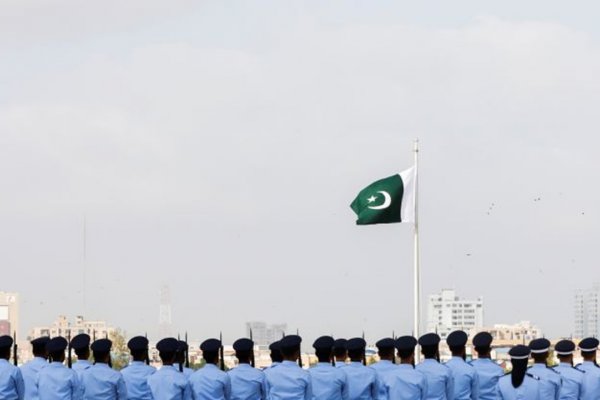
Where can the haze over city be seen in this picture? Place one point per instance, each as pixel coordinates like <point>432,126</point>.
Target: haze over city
<point>216,148</point>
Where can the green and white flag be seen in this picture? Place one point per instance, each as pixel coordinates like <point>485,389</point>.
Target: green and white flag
<point>388,200</point>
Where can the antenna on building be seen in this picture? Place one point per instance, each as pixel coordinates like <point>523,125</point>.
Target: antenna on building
<point>164,317</point>
<point>83,269</point>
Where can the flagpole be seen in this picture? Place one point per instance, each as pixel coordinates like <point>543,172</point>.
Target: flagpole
<point>417,270</point>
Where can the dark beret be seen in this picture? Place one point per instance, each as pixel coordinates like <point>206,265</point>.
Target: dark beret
<point>243,344</point>
<point>429,339</point>
<point>101,345</point>
<point>385,343</point>
<point>324,343</point>
<point>210,345</point>
<point>457,339</point>
<point>6,342</point>
<point>80,341</point>
<point>57,344</point>
<point>564,347</point>
<point>406,343</point>
<point>138,343</point>
<point>290,341</point>
<point>588,344</point>
<point>167,345</point>
<point>482,339</point>
<point>519,352</point>
<point>355,344</point>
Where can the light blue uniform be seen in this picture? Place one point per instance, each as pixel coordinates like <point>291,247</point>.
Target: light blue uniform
<point>466,381</point>
<point>328,382</point>
<point>440,383</point>
<point>30,373</point>
<point>101,382</point>
<point>572,381</point>
<point>362,382</point>
<point>488,373</point>
<point>136,376</point>
<point>339,364</point>
<point>81,366</point>
<point>57,382</point>
<point>169,384</point>
<point>529,389</point>
<point>210,383</point>
<point>591,381</point>
<point>408,384</point>
<point>187,372</point>
<point>550,381</point>
<point>386,371</point>
<point>11,382</point>
<point>288,381</point>
<point>247,383</point>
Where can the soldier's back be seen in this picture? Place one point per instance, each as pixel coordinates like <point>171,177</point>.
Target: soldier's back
<point>408,384</point>
<point>247,383</point>
<point>57,382</point>
<point>11,382</point>
<point>169,384</point>
<point>100,382</point>
<point>136,376</point>
<point>488,373</point>
<point>362,381</point>
<point>328,382</point>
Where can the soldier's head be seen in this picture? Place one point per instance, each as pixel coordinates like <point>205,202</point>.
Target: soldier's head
<point>483,344</point>
<point>457,341</point>
<point>386,349</point>
<point>290,347</point>
<point>275,352</point>
<point>56,348</point>
<point>167,348</point>
<point>430,345</point>
<point>81,346</point>
<point>540,348</point>
<point>339,350</point>
<point>138,347</point>
<point>101,351</point>
<point>588,348</point>
<point>356,349</point>
<point>564,350</point>
<point>406,349</point>
<point>243,350</point>
<point>6,343</point>
<point>324,348</point>
<point>38,346</point>
<point>210,350</point>
<point>519,357</point>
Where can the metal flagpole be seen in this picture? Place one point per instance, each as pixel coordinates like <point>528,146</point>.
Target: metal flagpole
<point>417,270</point>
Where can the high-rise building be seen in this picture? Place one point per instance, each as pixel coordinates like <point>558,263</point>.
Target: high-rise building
<point>264,334</point>
<point>9,313</point>
<point>447,312</point>
<point>587,309</point>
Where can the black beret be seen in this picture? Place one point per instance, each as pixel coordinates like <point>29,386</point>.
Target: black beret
<point>385,343</point>
<point>101,345</point>
<point>519,352</point>
<point>340,344</point>
<point>167,345</point>
<point>356,344</point>
<point>324,343</point>
<point>210,345</point>
<point>275,346</point>
<point>40,342</point>
<point>539,345</point>
<point>564,347</point>
<point>57,344</point>
<point>182,346</point>
<point>588,344</point>
<point>457,339</point>
<point>429,339</point>
<point>482,339</point>
<point>80,341</point>
<point>406,343</point>
<point>243,344</point>
<point>138,343</point>
<point>290,341</point>
<point>5,342</point>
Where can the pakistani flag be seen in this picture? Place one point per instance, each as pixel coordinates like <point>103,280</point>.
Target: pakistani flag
<point>387,201</point>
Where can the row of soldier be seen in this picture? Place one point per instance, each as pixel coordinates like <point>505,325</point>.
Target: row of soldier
<point>339,374</point>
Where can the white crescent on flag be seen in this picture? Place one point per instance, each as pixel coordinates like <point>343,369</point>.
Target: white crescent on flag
<point>386,203</point>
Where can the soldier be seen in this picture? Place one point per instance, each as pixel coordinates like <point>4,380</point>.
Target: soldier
<point>247,382</point>
<point>31,369</point>
<point>276,358</point>
<point>328,382</point>
<point>100,381</point>
<point>466,381</point>
<point>488,372</point>
<point>550,380</point>
<point>210,383</point>
<point>572,378</point>
<point>136,374</point>
<point>362,381</point>
<point>386,369</point>
<point>440,384</point>
<point>408,383</point>
<point>340,352</point>
<point>519,384</point>
<point>12,386</point>
<point>81,346</point>
<point>56,381</point>
<point>181,357</point>
<point>591,382</point>
<point>167,382</point>
<point>288,381</point>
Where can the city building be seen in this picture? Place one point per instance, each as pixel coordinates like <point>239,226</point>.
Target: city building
<point>586,312</point>
<point>510,335</point>
<point>447,312</point>
<point>9,313</point>
<point>62,327</point>
<point>264,334</point>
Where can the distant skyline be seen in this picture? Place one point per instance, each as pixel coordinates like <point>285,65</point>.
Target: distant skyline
<point>216,147</point>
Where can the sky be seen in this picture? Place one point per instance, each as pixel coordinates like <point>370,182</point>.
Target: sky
<point>215,147</point>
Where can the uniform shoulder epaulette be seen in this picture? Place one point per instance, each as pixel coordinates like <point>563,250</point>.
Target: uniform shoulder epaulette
<point>507,373</point>
<point>577,369</point>
<point>553,370</point>
<point>577,366</point>
<point>537,378</point>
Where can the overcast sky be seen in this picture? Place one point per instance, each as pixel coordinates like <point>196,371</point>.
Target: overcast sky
<point>216,146</point>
